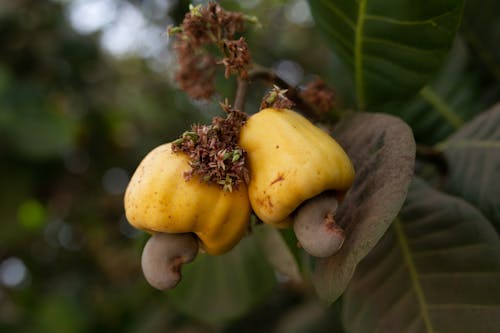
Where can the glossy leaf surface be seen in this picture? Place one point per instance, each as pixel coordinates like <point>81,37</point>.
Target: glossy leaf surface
<point>436,270</point>
<point>473,156</point>
<point>392,47</point>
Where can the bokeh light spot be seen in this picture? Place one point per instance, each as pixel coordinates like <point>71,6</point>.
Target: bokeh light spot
<point>299,13</point>
<point>290,71</point>
<point>13,272</point>
<point>88,16</point>
<point>31,214</point>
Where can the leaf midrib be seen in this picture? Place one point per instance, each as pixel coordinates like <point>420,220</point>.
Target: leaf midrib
<point>412,270</point>
<point>358,54</point>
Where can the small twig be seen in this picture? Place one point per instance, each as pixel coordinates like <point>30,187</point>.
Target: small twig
<point>241,92</point>
<point>266,74</point>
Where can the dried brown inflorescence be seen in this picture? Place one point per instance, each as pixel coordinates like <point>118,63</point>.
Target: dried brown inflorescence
<point>238,58</point>
<point>213,151</point>
<point>196,72</point>
<point>276,98</point>
<point>203,26</point>
<point>319,95</point>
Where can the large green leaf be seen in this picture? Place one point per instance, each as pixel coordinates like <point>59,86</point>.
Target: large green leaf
<point>215,289</point>
<point>310,316</point>
<point>473,156</point>
<point>393,47</point>
<point>455,94</point>
<point>481,24</point>
<point>382,150</point>
<point>277,252</point>
<point>435,270</point>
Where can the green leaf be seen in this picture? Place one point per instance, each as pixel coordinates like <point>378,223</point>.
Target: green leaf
<point>34,124</point>
<point>457,93</point>
<point>435,270</point>
<point>392,47</point>
<point>382,150</point>
<point>215,289</point>
<point>277,252</point>
<point>310,316</point>
<point>473,156</point>
<point>481,24</point>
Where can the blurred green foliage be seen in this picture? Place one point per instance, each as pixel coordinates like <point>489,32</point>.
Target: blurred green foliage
<point>75,120</point>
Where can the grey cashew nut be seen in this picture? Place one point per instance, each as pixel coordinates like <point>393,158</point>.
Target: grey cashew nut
<point>315,226</point>
<point>163,256</point>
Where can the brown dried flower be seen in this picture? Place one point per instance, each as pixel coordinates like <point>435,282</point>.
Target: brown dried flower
<point>211,23</point>
<point>214,155</point>
<point>202,26</point>
<point>238,58</point>
<point>319,95</point>
<point>196,72</point>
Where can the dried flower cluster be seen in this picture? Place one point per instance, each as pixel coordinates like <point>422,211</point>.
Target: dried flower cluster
<point>319,95</point>
<point>238,58</point>
<point>214,155</point>
<point>276,98</point>
<point>203,26</point>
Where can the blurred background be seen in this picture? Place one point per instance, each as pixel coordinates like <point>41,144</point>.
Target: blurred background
<point>86,91</point>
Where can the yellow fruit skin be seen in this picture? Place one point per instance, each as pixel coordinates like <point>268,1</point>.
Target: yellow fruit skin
<point>159,199</point>
<point>290,160</point>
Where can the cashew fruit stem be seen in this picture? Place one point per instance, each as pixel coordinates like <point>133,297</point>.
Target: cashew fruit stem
<point>315,226</point>
<point>163,257</point>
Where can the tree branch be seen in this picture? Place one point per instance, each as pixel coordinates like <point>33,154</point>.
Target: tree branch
<point>241,92</point>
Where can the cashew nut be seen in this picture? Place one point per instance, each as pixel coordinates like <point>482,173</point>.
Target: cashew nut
<point>315,227</point>
<point>163,257</point>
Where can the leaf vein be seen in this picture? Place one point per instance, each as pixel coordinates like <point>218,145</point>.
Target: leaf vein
<point>448,249</point>
<point>443,108</point>
<point>430,20</point>
<point>463,305</point>
<point>456,274</point>
<point>461,144</point>
<point>387,282</point>
<point>405,248</point>
<point>415,73</point>
<point>402,46</point>
<point>336,11</point>
<point>391,307</point>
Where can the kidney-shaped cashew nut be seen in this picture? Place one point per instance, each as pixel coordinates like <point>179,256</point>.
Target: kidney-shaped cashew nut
<point>315,227</point>
<point>163,256</point>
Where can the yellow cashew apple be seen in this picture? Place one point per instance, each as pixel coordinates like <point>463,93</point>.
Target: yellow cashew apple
<point>290,160</point>
<point>159,199</point>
